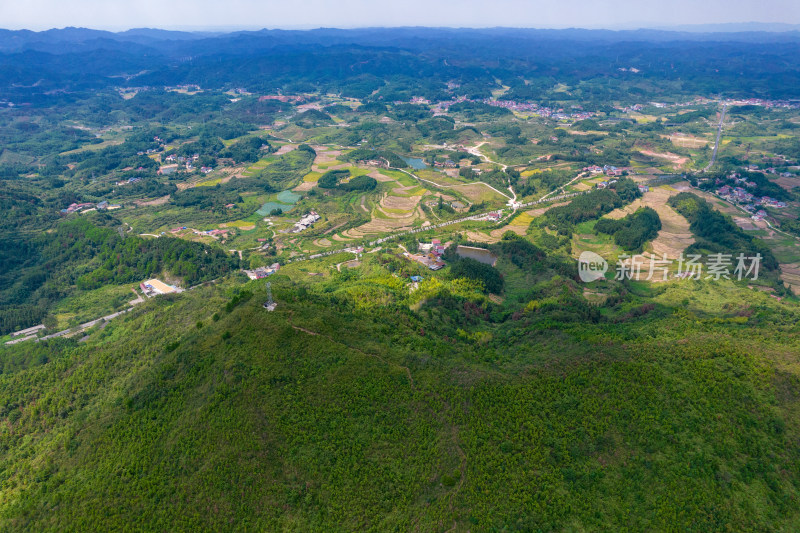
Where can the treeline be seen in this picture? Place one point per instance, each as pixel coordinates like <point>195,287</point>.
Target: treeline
<point>248,150</point>
<point>210,147</point>
<point>465,267</point>
<point>33,138</point>
<point>288,168</point>
<point>12,171</point>
<point>148,187</point>
<point>717,233</point>
<point>331,180</point>
<point>632,231</point>
<point>312,118</point>
<point>85,253</point>
<point>520,252</point>
<point>792,226</point>
<point>120,156</point>
<point>133,259</point>
<point>206,197</point>
<point>691,116</point>
<point>592,205</point>
<point>368,154</point>
<point>609,156</point>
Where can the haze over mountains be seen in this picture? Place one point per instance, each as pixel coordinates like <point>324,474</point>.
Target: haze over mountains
<point>35,64</point>
<point>19,40</point>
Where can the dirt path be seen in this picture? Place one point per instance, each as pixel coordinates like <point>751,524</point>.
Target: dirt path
<point>335,228</point>
<point>476,152</point>
<point>439,185</point>
<point>405,369</point>
<point>304,330</point>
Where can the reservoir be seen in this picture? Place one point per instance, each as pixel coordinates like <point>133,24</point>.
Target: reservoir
<point>415,162</point>
<point>481,255</point>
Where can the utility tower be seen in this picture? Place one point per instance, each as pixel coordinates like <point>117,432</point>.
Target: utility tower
<point>270,304</point>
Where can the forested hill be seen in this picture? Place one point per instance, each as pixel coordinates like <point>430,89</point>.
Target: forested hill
<point>739,64</point>
<point>89,253</point>
<point>203,411</point>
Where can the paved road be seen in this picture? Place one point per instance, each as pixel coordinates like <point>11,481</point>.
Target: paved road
<point>441,186</point>
<point>719,136</point>
<point>84,326</point>
<point>474,217</point>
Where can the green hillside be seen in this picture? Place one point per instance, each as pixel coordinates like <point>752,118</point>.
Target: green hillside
<point>526,280</point>
<point>319,416</point>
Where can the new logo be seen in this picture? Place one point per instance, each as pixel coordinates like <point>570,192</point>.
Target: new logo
<point>591,267</point>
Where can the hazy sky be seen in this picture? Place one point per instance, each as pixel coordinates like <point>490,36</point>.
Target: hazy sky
<point>199,14</point>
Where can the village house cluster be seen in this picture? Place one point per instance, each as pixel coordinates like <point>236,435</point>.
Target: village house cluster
<point>176,160</point>
<point>557,114</point>
<point>380,162</point>
<point>608,170</point>
<point>529,107</point>
<point>86,207</point>
<point>262,272</point>
<point>304,223</point>
<point>781,104</point>
<point>430,254</point>
<point>129,181</point>
<point>493,216</point>
<point>738,194</point>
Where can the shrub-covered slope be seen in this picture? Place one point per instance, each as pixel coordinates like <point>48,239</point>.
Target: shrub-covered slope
<point>321,417</point>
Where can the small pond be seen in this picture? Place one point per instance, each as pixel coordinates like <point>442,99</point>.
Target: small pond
<point>286,201</point>
<point>478,254</point>
<point>415,162</point>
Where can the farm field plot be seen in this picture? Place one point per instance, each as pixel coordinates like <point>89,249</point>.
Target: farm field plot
<point>676,160</point>
<point>409,191</point>
<point>785,247</point>
<point>688,141</point>
<point>675,235</point>
<point>519,225</point>
<point>259,165</point>
<point>539,211</point>
<point>285,149</point>
<point>378,226</point>
<point>720,205</point>
<point>790,274</point>
<point>398,209</point>
<point>478,236</point>
<point>305,186</point>
<point>586,239</point>
<point>788,183</point>
<point>479,192</point>
<point>787,251</point>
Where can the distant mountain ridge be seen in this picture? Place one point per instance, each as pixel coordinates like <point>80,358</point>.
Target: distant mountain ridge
<point>19,40</point>
<point>35,65</point>
<point>733,27</point>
